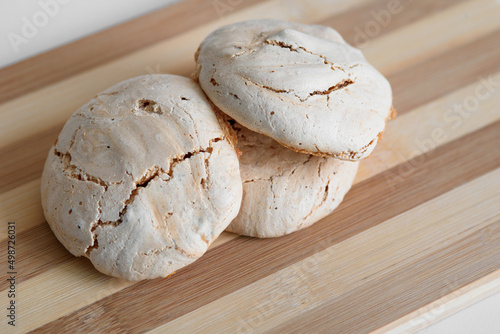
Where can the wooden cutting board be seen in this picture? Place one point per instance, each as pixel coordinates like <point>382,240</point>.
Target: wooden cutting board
<point>417,237</point>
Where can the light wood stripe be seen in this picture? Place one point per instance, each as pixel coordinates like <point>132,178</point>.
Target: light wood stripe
<point>243,261</point>
<point>22,205</point>
<point>63,62</point>
<point>355,22</point>
<point>329,274</point>
<point>456,68</point>
<point>462,262</point>
<point>434,35</point>
<point>445,306</point>
<point>73,285</point>
<point>404,140</point>
<point>38,252</point>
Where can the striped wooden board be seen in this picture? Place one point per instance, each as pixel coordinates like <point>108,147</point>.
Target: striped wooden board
<point>418,236</point>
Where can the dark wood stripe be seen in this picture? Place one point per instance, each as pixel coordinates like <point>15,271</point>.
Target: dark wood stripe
<point>23,161</point>
<point>243,261</point>
<point>38,250</point>
<point>445,73</point>
<point>439,274</point>
<point>369,21</point>
<point>73,58</point>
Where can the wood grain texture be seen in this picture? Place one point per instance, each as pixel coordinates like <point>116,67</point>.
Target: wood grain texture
<point>248,262</point>
<point>457,68</point>
<point>419,229</point>
<point>356,25</point>
<point>433,35</point>
<point>472,255</point>
<point>347,265</point>
<point>408,84</point>
<point>34,152</point>
<point>76,57</point>
<point>447,305</point>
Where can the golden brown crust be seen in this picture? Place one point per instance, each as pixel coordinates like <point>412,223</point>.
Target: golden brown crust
<point>197,53</point>
<point>393,113</point>
<point>228,130</point>
<point>196,74</point>
<point>344,155</point>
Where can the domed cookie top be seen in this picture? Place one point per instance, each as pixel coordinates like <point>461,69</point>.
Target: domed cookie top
<point>285,191</point>
<point>142,178</point>
<point>299,84</point>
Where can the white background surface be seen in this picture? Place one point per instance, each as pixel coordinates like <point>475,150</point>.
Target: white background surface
<point>77,18</point>
<point>70,20</point>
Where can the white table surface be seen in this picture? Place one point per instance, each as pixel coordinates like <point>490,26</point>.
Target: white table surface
<point>75,19</point>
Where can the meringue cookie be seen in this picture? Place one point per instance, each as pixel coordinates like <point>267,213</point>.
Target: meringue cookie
<point>302,85</point>
<point>285,191</point>
<point>142,179</point>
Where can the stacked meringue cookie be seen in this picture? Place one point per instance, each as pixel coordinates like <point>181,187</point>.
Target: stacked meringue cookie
<point>144,177</point>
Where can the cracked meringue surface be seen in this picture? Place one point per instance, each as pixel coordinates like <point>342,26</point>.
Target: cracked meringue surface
<point>285,191</point>
<point>302,85</point>
<point>142,179</point>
